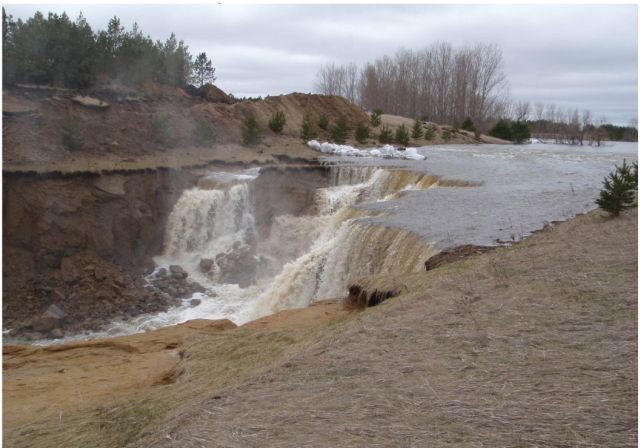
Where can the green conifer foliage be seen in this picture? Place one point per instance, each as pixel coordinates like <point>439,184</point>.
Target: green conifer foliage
<point>416,132</point>
<point>620,189</point>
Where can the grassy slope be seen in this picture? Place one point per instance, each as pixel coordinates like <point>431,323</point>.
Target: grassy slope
<point>531,345</point>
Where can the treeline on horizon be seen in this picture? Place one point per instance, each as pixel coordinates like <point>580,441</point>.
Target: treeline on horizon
<point>59,51</point>
<point>571,126</point>
<point>446,85</point>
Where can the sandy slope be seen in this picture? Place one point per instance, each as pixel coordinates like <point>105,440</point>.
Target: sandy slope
<point>533,345</point>
<point>49,382</point>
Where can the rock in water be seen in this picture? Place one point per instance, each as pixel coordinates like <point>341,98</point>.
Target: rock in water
<point>177,271</point>
<point>56,333</point>
<point>56,312</point>
<point>52,318</point>
<point>91,102</point>
<point>206,264</point>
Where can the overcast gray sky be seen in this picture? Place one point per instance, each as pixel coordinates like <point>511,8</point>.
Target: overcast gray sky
<point>583,56</point>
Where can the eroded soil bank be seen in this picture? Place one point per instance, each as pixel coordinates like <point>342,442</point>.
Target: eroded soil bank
<point>83,243</point>
<point>535,344</point>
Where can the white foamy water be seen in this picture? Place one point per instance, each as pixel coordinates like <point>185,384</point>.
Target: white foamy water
<point>304,258</point>
<point>206,223</point>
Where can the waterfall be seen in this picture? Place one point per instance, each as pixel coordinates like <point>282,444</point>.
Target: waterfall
<point>349,249</point>
<point>216,225</point>
<point>350,174</point>
<point>209,221</point>
<point>303,258</point>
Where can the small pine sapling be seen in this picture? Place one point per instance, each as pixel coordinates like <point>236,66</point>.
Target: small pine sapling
<point>362,133</point>
<point>416,131</point>
<point>402,135</point>
<point>307,132</point>
<point>276,124</point>
<point>620,189</point>
<point>251,131</point>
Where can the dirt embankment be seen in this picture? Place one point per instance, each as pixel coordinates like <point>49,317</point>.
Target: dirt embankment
<point>151,127</point>
<point>113,128</point>
<point>534,344</point>
<point>83,242</point>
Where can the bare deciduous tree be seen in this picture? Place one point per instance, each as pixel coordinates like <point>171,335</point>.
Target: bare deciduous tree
<point>521,111</point>
<point>438,83</point>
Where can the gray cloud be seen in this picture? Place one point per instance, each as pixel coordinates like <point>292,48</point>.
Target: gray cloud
<point>581,56</point>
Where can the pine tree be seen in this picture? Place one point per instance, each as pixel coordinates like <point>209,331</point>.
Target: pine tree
<point>620,189</point>
<point>502,130</point>
<point>376,118</point>
<point>71,135</point>
<point>203,71</point>
<point>520,132</point>
<point>362,133</point>
<point>416,132</point>
<point>323,122</point>
<point>430,132</point>
<point>402,135</point>
<point>276,124</point>
<point>386,136</point>
<point>340,130</point>
<point>468,125</point>
<point>203,133</point>
<point>251,131</point>
<point>307,132</point>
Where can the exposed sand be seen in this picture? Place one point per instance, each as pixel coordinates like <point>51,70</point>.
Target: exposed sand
<point>50,381</point>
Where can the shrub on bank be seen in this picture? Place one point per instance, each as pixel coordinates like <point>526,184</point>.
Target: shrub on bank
<point>402,135</point>
<point>161,131</point>
<point>203,133</point>
<point>517,132</point>
<point>468,125</point>
<point>376,118</point>
<point>306,131</point>
<point>276,124</point>
<point>430,132</point>
<point>71,136</point>
<point>323,122</point>
<point>416,131</point>
<point>520,132</point>
<point>340,130</point>
<point>362,133</point>
<point>386,136</point>
<point>502,129</point>
<point>620,189</point>
<point>251,131</point>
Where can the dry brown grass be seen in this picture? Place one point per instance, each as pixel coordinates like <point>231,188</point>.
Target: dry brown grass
<point>534,345</point>
<point>106,393</point>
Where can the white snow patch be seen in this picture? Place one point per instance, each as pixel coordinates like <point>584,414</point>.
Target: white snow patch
<point>386,151</point>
